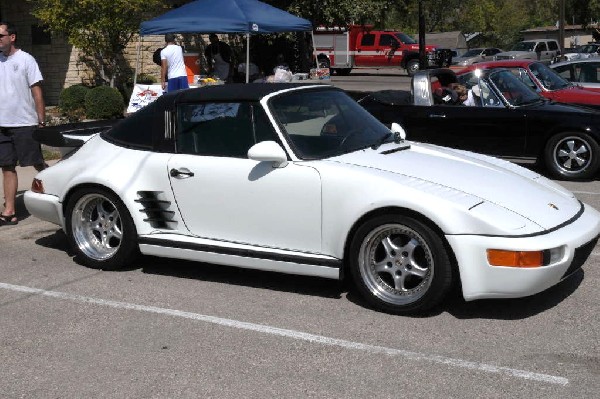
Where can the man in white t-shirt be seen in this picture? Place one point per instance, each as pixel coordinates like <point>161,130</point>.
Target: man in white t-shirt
<point>172,66</point>
<point>22,110</point>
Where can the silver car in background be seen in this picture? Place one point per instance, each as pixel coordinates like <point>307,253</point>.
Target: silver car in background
<point>476,55</point>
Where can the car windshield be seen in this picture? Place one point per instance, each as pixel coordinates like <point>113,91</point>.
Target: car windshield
<point>472,53</point>
<point>325,123</point>
<point>524,46</point>
<point>548,77</point>
<point>404,38</point>
<point>589,49</point>
<point>513,90</point>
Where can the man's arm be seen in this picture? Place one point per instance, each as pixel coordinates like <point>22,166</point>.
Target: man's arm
<point>163,73</point>
<point>40,106</point>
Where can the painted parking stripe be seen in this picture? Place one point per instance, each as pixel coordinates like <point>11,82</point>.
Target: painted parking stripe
<point>298,335</point>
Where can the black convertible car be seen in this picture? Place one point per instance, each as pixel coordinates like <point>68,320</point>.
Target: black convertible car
<point>507,120</point>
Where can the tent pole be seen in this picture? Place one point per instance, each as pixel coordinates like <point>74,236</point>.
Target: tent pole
<point>312,37</point>
<point>247,57</point>
<point>137,60</point>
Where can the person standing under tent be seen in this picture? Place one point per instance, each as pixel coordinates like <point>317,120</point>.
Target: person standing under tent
<point>172,66</point>
<point>218,55</point>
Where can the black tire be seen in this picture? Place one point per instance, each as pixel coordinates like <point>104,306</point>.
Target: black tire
<point>572,156</point>
<point>412,67</point>
<point>100,229</point>
<point>344,71</point>
<point>399,264</point>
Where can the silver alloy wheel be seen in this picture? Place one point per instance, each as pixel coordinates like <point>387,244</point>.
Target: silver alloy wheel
<point>572,154</point>
<point>396,264</point>
<point>96,226</point>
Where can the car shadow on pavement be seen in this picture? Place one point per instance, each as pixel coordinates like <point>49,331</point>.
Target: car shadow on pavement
<point>518,308</point>
<point>303,285</point>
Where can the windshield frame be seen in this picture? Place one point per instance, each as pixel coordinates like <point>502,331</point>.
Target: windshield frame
<point>325,123</point>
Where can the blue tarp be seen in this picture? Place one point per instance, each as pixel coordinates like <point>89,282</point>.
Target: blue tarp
<point>225,16</point>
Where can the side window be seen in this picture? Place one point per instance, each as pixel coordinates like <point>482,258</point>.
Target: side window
<point>541,46</point>
<point>387,40</point>
<point>368,40</point>
<point>215,129</point>
<point>589,73</point>
<point>263,129</point>
<point>566,72</point>
<point>489,98</point>
<point>553,46</point>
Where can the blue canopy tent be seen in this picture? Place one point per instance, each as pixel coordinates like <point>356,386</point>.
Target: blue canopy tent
<point>225,16</point>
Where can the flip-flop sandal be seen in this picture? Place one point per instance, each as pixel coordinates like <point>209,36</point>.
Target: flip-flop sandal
<point>8,220</point>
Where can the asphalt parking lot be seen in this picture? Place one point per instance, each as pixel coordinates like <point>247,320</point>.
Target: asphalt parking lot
<point>166,328</point>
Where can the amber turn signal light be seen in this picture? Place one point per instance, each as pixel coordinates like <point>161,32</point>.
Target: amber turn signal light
<point>499,257</point>
<point>37,186</point>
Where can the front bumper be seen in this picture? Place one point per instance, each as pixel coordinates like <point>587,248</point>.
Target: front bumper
<point>481,280</point>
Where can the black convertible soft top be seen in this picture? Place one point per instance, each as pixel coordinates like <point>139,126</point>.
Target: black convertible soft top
<point>230,92</point>
<point>146,128</point>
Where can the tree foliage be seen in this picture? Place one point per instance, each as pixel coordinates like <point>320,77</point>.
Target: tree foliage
<point>100,29</point>
<point>501,21</point>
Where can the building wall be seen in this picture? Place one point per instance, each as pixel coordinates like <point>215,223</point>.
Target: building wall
<point>59,61</point>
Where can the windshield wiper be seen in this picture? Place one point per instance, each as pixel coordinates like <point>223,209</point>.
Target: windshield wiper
<point>382,140</point>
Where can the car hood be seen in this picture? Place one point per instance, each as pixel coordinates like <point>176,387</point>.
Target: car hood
<point>517,189</point>
<point>466,59</point>
<point>516,53</point>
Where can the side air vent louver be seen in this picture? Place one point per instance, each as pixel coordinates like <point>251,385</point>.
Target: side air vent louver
<point>157,210</point>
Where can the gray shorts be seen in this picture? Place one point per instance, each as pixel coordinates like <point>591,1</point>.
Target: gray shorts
<point>17,146</point>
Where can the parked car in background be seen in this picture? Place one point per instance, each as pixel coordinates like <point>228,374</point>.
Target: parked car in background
<point>545,81</point>
<point>545,50</point>
<point>510,120</point>
<point>582,52</point>
<point>584,73</point>
<point>475,55</point>
<point>300,179</point>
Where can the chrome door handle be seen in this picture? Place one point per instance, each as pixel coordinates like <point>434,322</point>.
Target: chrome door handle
<point>178,173</point>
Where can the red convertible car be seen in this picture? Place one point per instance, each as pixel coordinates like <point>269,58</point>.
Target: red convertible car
<point>544,80</point>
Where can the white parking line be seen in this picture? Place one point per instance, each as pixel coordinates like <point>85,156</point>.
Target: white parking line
<point>298,335</point>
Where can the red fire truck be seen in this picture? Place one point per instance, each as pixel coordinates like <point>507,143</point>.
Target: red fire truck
<point>359,46</point>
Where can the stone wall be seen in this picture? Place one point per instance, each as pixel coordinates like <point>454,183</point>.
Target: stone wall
<point>60,62</point>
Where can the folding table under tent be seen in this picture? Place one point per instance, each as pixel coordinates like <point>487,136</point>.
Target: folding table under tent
<point>225,16</point>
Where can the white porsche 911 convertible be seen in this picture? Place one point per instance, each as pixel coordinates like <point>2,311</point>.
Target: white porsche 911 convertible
<point>300,179</point>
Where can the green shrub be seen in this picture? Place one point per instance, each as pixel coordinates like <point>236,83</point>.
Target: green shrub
<point>145,79</point>
<point>71,100</point>
<point>104,102</point>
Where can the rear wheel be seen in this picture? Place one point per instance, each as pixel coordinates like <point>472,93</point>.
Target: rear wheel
<point>399,265</point>
<point>572,156</point>
<point>100,229</point>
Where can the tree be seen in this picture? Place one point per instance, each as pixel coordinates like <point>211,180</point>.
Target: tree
<point>100,29</point>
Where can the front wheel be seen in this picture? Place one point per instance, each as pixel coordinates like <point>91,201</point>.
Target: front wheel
<point>399,264</point>
<point>572,156</point>
<point>412,67</point>
<point>100,229</point>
